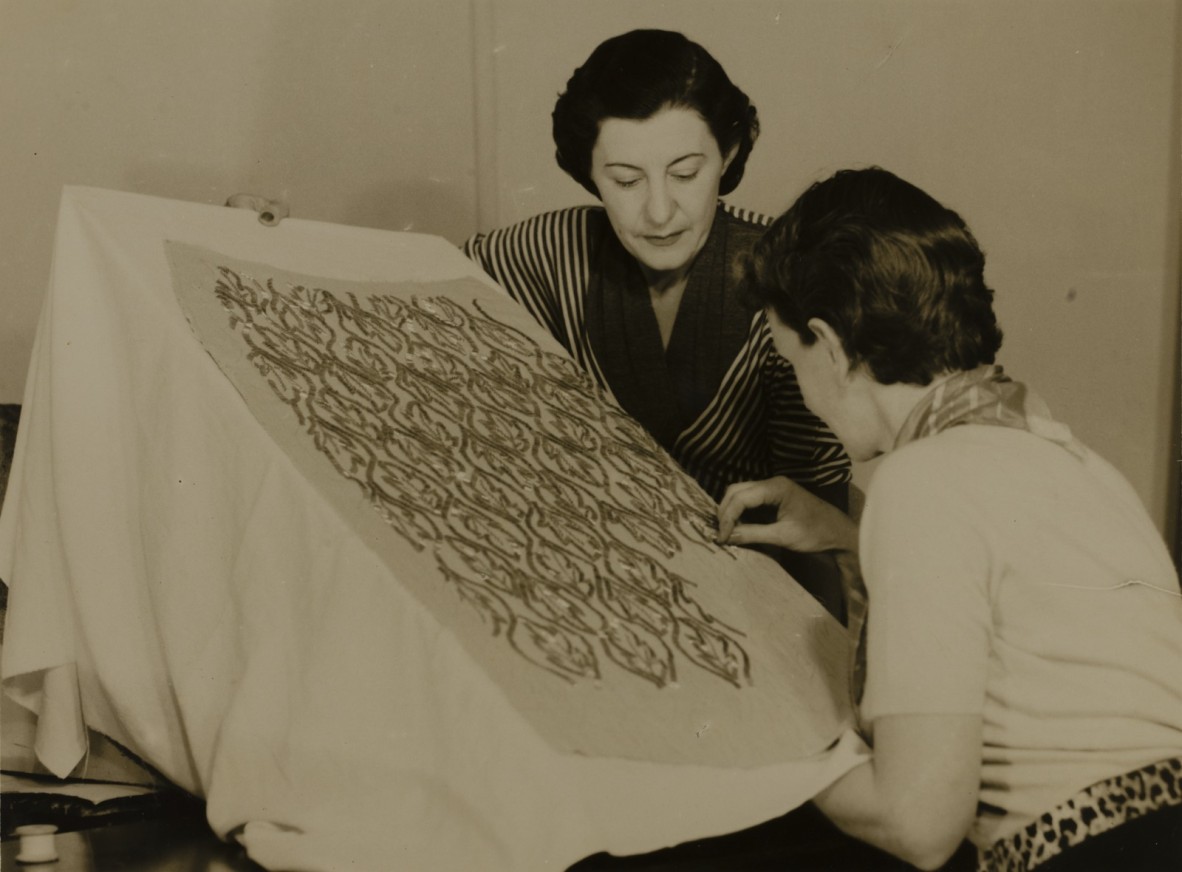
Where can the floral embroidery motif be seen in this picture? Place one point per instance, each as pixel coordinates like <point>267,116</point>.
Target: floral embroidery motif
<point>549,510</point>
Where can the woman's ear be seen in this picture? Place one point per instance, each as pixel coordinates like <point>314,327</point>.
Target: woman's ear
<point>829,339</point>
<point>728,157</point>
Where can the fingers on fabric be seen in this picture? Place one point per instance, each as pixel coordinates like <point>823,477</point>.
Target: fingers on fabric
<point>730,507</point>
<point>755,534</point>
<point>743,496</point>
<point>271,212</point>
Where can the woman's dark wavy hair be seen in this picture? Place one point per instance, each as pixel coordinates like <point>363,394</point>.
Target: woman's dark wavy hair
<point>634,76</point>
<point>897,276</point>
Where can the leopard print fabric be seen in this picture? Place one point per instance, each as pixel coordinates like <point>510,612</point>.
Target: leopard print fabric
<point>1092,811</point>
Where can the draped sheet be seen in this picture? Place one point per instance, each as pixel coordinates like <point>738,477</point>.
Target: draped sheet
<point>500,639</point>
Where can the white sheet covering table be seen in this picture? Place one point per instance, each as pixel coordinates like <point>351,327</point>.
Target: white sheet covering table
<point>183,584</point>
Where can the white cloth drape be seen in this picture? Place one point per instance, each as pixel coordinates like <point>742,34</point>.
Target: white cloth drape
<point>178,584</point>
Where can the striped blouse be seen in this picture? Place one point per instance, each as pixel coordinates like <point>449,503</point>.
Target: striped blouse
<point>719,398</point>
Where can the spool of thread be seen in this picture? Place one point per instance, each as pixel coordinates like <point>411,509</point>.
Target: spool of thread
<point>270,212</point>
<point>37,844</point>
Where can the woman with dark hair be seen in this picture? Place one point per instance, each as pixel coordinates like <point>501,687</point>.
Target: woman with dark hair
<point>642,290</point>
<point>1017,620</point>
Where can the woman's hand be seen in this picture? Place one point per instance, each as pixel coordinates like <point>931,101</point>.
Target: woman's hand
<point>804,522</point>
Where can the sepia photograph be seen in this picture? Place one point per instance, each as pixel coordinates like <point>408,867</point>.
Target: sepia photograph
<point>590,435</point>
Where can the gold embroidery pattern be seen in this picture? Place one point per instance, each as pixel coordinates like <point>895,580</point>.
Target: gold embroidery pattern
<point>547,508</point>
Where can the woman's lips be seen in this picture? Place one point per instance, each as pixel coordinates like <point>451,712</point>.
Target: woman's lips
<point>666,240</point>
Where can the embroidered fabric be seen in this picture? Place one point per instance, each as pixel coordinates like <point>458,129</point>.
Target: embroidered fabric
<point>520,506</point>
<point>1094,810</point>
<point>461,432</point>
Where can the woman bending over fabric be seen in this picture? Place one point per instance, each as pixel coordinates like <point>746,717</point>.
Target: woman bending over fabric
<point>1017,622</point>
<point>642,290</point>
<point>1019,665</point>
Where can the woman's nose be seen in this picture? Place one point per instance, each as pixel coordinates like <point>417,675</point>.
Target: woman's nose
<point>659,205</point>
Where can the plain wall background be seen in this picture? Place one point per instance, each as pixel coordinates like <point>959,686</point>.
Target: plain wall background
<point>1052,126</point>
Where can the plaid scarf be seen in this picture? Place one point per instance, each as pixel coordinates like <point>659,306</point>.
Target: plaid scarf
<point>984,395</point>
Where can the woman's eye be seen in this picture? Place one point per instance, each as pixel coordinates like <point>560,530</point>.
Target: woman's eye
<point>686,177</point>
<point>627,183</point>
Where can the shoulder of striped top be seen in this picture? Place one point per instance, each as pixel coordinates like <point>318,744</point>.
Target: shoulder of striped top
<point>534,240</point>
<point>555,217</point>
<point>748,215</point>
